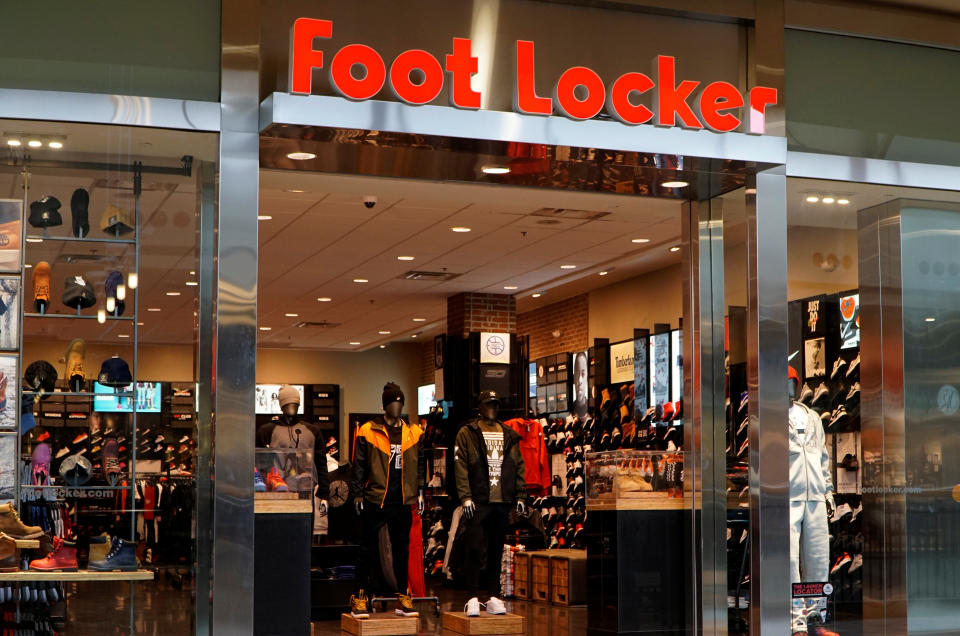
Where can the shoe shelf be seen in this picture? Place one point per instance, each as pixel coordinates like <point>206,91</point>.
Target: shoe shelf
<point>75,316</point>
<point>79,575</point>
<point>37,238</point>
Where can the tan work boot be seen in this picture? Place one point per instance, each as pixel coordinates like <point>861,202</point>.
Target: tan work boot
<point>11,525</point>
<point>9,556</point>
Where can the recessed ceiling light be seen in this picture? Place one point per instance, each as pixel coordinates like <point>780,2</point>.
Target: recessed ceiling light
<point>843,201</point>
<point>460,228</point>
<point>750,191</point>
<point>568,267</point>
<point>354,343</point>
<point>511,287</point>
<point>931,319</point>
<point>360,280</point>
<point>324,299</point>
<point>13,142</point>
<point>193,273</point>
<point>191,283</point>
<point>264,217</point>
<point>292,315</point>
<point>604,273</point>
<point>173,293</point>
<point>139,324</point>
<point>28,265</point>
<point>419,320</point>
<point>266,328</point>
<point>413,335</point>
<point>675,184</point>
<point>812,198</point>
<point>495,170</point>
<point>405,258</point>
<point>828,200</point>
<point>35,143</point>
<point>384,332</point>
<point>34,240</point>
<point>537,295</point>
<point>123,335</point>
<point>300,156</point>
<point>675,248</point>
<point>56,145</point>
<point>154,309</point>
<point>294,190</point>
<point>640,240</point>
<point>383,346</point>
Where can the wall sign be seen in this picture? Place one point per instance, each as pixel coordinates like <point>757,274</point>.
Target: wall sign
<point>358,72</point>
<point>494,348</point>
<point>621,362</point>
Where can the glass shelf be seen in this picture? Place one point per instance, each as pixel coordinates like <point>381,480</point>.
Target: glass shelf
<point>35,240</point>
<point>78,394</point>
<point>74,316</point>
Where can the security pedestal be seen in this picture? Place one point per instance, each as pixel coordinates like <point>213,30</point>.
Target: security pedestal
<point>637,562</point>
<point>460,623</point>
<point>281,585</point>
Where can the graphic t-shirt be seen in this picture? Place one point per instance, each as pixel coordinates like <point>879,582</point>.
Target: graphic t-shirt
<point>493,438</point>
<point>394,485</point>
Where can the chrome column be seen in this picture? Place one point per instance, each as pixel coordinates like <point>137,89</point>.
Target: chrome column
<point>767,344</point>
<point>236,324</point>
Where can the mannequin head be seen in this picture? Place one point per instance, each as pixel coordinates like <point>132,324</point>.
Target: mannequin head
<point>392,400</point>
<point>393,409</point>
<point>489,405</point>
<point>289,399</point>
<point>290,409</point>
<point>793,383</point>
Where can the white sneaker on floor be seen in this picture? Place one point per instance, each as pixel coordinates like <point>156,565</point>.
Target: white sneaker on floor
<point>495,606</point>
<point>472,608</point>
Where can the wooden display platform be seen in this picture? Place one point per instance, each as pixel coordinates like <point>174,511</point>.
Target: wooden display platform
<point>378,625</point>
<point>80,575</point>
<point>484,624</point>
<point>282,506</point>
<point>642,501</point>
<point>276,495</point>
<point>27,544</point>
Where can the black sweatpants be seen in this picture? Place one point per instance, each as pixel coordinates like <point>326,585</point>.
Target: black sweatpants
<point>398,518</point>
<point>484,539</point>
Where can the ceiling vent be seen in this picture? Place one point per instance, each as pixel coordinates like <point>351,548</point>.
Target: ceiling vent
<point>567,213</point>
<point>323,324</point>
<point>436,276</point>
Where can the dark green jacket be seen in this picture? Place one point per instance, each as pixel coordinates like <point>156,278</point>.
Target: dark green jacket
<point>371,462</point>
<point>473,473</point>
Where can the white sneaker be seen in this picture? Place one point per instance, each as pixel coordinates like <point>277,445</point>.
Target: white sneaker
<point>472,608</point>
<point>495,606</point>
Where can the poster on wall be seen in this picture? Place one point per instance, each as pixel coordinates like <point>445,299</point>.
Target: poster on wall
<point>8,462</point>
<point>494,348</point>
<point>660,369</point>
<point>10,215</point>
<point>266,400</point>
<point>676,355</point>
<point>9,313</point>
<point>815,358</point>
<point>581,383</point>
<point>850,321</point>
<point>621,362</point>
<point>9,404</point>
<point>640,394</point>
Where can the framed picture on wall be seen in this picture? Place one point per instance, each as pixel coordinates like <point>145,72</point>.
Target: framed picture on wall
<point>815,358</point>
<point>9,313</point>
<point>10,227</point>
<point>8,461</point>
<point>581,383</point>
<point>9,401</point>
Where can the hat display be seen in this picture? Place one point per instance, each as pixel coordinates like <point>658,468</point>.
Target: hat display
<point>488,396</point>
<point>114,278</point>
<point>79,210</point>
<point>45,212</point>
<point>78,293</point>
<point>76,353</point>
<point>115,372</point>
<point>76,470</point>
<point>40,376</point>
<point>392,393</point>
<point>288,395</point>
<point>41,282</point>
<point>115,220</point>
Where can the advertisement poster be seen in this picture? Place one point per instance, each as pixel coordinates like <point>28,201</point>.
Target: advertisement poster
<point>581,383</point>
<point>850,321</point>
<point>9,403</point>
<point>494,348</point>
<point>621,362</point>
<point>815,358</point>
<point>10,215</point>
<point>9,312</point>
<point>660,369</point>
<point>640,388</point>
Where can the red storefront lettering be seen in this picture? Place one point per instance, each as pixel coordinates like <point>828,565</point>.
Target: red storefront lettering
<point>341,72</point>
<point>566,93</point>
<point>619,104</point>
<point>525,98</point>
<point>462,66</point>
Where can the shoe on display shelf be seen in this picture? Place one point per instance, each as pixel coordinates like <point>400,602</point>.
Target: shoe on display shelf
<point>11,524</point>
<point>841,511</point>
<point>110,456</point>
<point>857,511</point>
<point>837,368</point>
<point>121,558</point>
<point>806,395</point>
<point>823,391</point>
<point>9,555</point>
<point>496,607</point>
<point>841,561</point>
<point>359,605</point>
<point>258,484</point>
<point>275,482</point>
<point>40,465</point>
<point>856,564</point>
<point>854,391</point>
<point>63,558</point>
<point>854,368</point>
<point>405,606</point>
<point>472,608</point>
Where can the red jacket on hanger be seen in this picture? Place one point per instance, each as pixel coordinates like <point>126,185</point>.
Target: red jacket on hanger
<point>536,460</point>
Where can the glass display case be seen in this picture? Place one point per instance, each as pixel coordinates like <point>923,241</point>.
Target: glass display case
<point>284,473</point>
<point>634,479</point>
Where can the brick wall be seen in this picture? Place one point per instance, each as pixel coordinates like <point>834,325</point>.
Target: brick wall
<point>426,362</point>
<point>470,312</point>
<point>570,317</point>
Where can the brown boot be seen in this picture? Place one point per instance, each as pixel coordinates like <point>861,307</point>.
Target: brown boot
<point>9,557</point>
<point>11,525</point>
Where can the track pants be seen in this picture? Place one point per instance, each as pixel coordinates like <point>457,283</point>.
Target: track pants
<point>809,549</point>
<point>484,538</point>
<point>397,518</point>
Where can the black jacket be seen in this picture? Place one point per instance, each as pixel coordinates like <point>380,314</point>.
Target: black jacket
<point>473,473</point>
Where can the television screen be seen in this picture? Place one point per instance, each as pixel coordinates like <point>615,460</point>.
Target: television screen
<point>266,399</point>
<point>426,398</point>
<point>148,397</point>
<point>850,321</point>
<point>533,380</point>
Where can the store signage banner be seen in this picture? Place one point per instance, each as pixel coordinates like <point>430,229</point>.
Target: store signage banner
<point>494,348</point>
<point>621,362</point>
<point>359,72</point>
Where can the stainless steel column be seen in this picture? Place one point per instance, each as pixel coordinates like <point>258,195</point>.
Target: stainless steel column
<point>767,346</point>
<point>236,325</point>
<point>704,381</point>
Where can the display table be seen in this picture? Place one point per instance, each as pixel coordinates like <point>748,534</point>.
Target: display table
<point>283,530</point>
<point>378,625</point>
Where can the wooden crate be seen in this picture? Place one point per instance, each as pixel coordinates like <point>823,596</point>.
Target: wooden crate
<point>460,623</point>
<point>568,577</point>
<point>377,626</point>
<point>540,576</point>
<point>521,576</point>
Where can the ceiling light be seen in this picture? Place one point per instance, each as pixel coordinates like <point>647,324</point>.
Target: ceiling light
<point>34,240</point>
<point>604,273</point>
<point>28,266</point>
<point>568,267</point>
<point>640,240</point>
<point>675,184</point>
<point>828,200</point>
<point>121,292</point>
<point>813,199</point>
<point>111,304</point>
<point>173,293</point>
<point>405,258</point>
<point>931,319</point>
<point>292,315</point>
<point>360,280</point>
<point>324,299</point>
<point>193,273</point>
<point>13,142</point>
<point>495,170</point>
<point>383,346</point>
<point>266,328</point>
<point>675,248</point>
<point>123,335</point>
<point>300,156</point>
<point>101,316</point>
<point>384,332</point>
<point>139,324</point>
<point>264,217</point>
<point>295,191</point>
<point>154,309</point>
<point>750,191</point>
<point>56,145</point>
<point>354,343</point>
<point>460,228</point>
<point>35,143</point>
<point>511,287</point>
<point>132,280</point>
<point>843,201</point>
<point>413,335</point>
<point>191,283</point>
<point>537,295</point>
<point>419,320</point>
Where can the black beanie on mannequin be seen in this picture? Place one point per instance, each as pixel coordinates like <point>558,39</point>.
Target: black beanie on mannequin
<point>392,393</point>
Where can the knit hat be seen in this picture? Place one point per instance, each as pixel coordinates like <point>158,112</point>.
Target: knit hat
<point>288,395</point>
<point>78,293</point>
<point>40,375</point>
<point>45,212</point>
<point>391,394</point>
<point>79,205</point>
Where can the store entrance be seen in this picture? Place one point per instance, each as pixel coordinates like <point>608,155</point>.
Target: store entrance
<point>577,286</point>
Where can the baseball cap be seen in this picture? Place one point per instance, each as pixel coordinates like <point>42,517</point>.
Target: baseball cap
<point>115,220</point>
<point>45,212</point>
<point>488,396</point>
<point>78,293</point>
<point>288,395</point>
<point>115,372</point>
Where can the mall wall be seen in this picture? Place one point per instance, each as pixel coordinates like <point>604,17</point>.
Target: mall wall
<point>655,297</point>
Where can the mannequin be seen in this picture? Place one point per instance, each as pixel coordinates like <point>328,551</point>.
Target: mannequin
<point>388,478</point>
<point>290,432</point>
<point>490,481</point>
<point>811,498</point>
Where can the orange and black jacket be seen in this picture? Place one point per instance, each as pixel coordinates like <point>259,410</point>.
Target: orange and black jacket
<point>371,462</point>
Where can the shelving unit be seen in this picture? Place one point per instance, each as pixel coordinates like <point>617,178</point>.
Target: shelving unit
<point>80,575</point>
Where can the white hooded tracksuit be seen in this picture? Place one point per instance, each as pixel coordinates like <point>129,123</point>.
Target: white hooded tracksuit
<point>810,483</point>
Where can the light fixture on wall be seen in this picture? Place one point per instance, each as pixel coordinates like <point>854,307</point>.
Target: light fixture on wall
<point>301,156</point>
<point>31,140</point>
